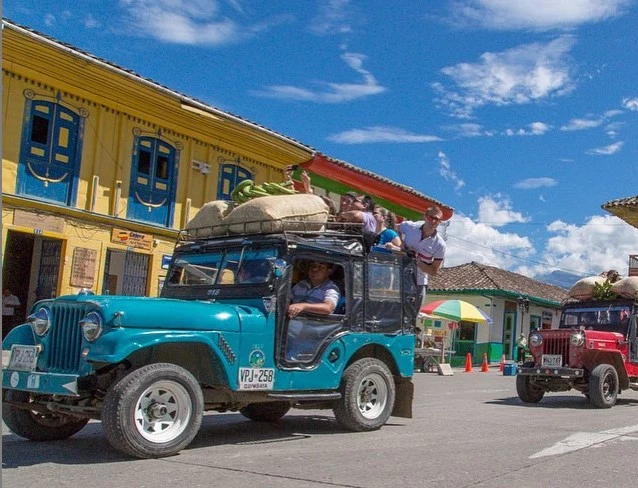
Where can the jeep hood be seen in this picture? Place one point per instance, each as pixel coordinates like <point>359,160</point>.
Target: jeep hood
<point>162,313</point>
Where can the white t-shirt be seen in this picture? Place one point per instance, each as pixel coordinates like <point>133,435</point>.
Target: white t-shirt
<point>427,250</point>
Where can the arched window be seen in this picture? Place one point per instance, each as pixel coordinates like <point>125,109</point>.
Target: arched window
<point>50,152</point>
<point>153,177</point>
<point>230,175</point>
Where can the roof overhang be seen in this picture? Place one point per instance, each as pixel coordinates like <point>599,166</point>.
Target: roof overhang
<point>371,184</point>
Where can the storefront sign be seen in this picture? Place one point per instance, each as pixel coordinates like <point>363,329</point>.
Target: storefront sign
<point>38,222</point>
<point>83,267</point>
<point>132,239</point>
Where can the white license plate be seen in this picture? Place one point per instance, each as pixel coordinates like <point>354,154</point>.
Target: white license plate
<point>23,358</point>
<point>256,378</point>
<point>552,360</point>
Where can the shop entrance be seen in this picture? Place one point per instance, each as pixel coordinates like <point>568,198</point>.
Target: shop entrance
<point>125,273</point>
<point>31,268</point>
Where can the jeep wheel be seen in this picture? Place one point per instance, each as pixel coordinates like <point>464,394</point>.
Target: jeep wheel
<point>37,426</point>
<point>153,412</point>
<point>603,386</point>
<point>528,392</point>
<point>265,412</point>
<point>368,392</point>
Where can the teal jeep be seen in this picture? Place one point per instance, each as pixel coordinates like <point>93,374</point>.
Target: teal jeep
<point>219,338</point>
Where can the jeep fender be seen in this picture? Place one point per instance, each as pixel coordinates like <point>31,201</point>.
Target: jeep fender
<point>207,356</point>
<point>608,357</point>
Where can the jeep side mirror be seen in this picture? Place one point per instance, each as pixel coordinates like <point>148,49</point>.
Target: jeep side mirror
<point>279,267</point>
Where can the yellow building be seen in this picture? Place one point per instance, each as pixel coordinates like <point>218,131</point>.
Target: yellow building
<point>101,167</point>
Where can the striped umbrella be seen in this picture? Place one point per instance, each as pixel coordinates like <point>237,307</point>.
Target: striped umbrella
<point>456,310</point>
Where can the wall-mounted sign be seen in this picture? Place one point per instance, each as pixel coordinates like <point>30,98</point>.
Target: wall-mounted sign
<point>166,260</point>
<point>37,222</point>
<point>83,267</point>
<point>132,239</point>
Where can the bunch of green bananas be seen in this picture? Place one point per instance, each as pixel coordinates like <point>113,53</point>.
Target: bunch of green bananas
<point>247,190</point>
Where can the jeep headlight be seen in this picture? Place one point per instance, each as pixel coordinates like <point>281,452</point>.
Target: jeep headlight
<point>91,326</point>
<point>577,339</point>
<point>40,321</point>
<point>535,339</point>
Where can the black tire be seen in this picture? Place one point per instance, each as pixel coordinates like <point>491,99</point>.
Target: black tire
<point>265,412</point>
<point>527,392</point>
<point>37,426</point>
<point>603,386</point>
<point>368,392</point>
<point>154,411</point>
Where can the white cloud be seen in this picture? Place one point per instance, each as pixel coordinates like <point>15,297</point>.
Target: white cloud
<point>183,21</point>
<point>535,14</point>
<point>49,20</point>
<point>603,242</point>
<point>496,211</point>
<point>581,124</point>
<point>606,150</point>
<point>330,92</point>
<point>524,74</point>
<point>630,104</point>
<point>445,170</point>
<point>469,130</point>
<point>331,19</point>
<point>91,22</point>
<point>470,241</point>
<point>534,183</point>
<point>380,134</point>
<point>535,129</point>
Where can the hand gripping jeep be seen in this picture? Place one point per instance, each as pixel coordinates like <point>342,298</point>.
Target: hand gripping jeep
<point>594,350</point>
<point>219,338</point>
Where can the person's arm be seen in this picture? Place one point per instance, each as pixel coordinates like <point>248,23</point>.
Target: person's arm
<point>305,179</point>
<point>323,308</point>
<point>351,216</point>
<point>431,269</point>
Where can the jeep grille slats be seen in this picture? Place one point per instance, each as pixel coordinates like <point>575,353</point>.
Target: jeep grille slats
<point>65,337</point>
<point>557,344</point>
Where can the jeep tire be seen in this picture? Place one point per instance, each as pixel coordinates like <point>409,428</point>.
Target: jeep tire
<point>603,386</point>
<point>265,412</point>
<point>37,426</point>
<point>367,395</point>
<point>527,391</point>
<point>153,412</point>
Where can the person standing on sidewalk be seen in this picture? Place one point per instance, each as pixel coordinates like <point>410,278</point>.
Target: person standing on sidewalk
<point>9,304</point>
<point>521,344</point>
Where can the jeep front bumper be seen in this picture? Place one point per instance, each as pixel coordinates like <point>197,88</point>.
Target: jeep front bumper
<point>565,373</point>
<point>37,382</point>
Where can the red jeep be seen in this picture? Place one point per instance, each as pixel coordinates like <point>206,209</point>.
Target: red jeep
<point>594,350</point>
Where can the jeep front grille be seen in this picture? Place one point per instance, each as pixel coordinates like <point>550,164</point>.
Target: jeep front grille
<point>65,337</point>
<point>557,344</point>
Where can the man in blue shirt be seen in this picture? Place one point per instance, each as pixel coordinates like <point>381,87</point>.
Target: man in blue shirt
<point>316,294</point>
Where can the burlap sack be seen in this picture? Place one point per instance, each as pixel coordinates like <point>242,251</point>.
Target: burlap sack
<point>208,219</point>
<point>626,288</point>
<point>584,289</point>
<point>301,212</point>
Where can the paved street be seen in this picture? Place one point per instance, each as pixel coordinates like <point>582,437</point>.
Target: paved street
<point>469,429</point>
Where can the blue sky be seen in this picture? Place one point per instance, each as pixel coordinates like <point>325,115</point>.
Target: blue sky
<point>522,115</point>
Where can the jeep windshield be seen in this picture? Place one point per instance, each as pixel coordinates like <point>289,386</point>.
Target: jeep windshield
<point>611,318</point>
<point>220,267</point>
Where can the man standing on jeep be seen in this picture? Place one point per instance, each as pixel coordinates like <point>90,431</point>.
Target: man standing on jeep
<point>422,239</point>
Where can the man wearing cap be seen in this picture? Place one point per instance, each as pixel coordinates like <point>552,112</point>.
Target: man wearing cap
<point>359,211</point>
<point>422,239</point>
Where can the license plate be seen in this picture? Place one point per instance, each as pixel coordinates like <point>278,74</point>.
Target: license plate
<point>552,360</point>
<point>256,378</point>
<point>23,358</point>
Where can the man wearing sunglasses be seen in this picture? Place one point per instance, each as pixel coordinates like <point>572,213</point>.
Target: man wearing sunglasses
<point>422,239</point>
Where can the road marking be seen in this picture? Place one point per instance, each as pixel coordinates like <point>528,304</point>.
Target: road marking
<point>583,440</point>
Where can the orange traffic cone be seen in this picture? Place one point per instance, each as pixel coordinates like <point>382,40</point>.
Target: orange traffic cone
<point>484,367</point>
<point>502,365</point>
<point>468,363</point>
